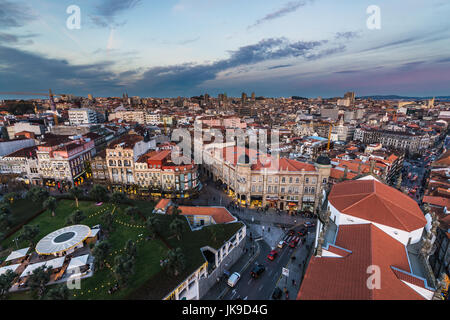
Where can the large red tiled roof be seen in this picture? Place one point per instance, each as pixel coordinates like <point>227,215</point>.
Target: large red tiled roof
<point>376,202</point>
<point>346,278</point>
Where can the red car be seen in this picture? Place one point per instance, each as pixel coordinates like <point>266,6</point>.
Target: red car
<point>272,254</point>
<point>294,242</point>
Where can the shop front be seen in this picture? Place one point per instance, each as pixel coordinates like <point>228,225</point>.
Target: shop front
<point>256,201</point>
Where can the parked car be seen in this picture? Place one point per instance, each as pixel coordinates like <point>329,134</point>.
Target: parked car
<point>272,254</point>
<point>277,293</point>
<point>257,270</point>
<point>233,279</point>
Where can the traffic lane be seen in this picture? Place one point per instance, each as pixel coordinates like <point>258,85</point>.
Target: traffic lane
<point>241,287</point>
<point>262,287</point>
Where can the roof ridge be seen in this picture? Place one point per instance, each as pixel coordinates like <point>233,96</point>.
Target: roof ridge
<point>392,213</point>
<point>357,202</point>
<point>385,199</point>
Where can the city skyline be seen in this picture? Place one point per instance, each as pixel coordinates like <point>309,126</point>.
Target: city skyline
<point>189,47</point>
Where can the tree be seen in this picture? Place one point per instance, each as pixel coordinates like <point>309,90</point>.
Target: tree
<point>10,197</point>
<point>5,217</point>
<point>29,233</point>
<point>38,280</point>
<point>132,212</point>
<point>107,222</point>
<point>176,211</point>
<point>99,193</point>
<point>117,199</point>
<point>131,249</point>
<point>176,226</point>
<point>6,282</point>
<point>60,292</point>
<point>153,225</point>
<point>76,193</point>
<point>37,194</point>
<point>100,253</point>
<point>175,262</point>
<point>123,269</point>
<point>50,204</point>
<point>76,217</point>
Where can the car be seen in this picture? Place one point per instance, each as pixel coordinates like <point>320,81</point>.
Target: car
<point>272,254</point>
<point>309,224</point>
<point>281,244</point>
<point>257,270</point>
<point>277,293</point>
<point>233,279</point>
<point>294,242</point>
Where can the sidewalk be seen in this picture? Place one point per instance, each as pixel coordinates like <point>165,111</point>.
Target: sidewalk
<point>221,288</point>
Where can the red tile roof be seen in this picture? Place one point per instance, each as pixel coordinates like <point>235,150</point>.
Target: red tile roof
<point>219,214</point>
<point>346,278</point>
<point>437,201</point>
<point>376,202</point>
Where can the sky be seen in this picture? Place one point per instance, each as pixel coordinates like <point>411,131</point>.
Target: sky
<point>153,48</point>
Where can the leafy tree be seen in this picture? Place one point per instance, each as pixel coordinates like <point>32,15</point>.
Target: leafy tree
<point>5,208</point>
<point>6,282</point>
<point>99,193</point>
<point>76,193</point>
<point>37,194</point>
<point>117,199</point>
<point>130,249</point>
<point>100,253</point>
<point>175,262</point>
<point>153,225</point>
<point>5,216</point>
<point>123,269</point>
<point>75,218</point>
<point>107,222</point>
<point>10,197</point>
<point>50,204</point>
<point>38,281</point>
<point>60,292</point>
<point>29,233</point>
<point>176,210</point>
<point>132,212</point>
<point>176,226</point>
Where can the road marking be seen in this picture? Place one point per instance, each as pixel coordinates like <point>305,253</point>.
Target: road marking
<point>270,272</point>
<point>260,288</point>
<point>234,292</point>
<point>249,281</point>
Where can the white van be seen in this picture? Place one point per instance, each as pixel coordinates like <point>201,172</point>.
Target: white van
<point>233,279</point>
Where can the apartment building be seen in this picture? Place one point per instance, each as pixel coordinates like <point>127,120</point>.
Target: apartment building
<point>23,164</point>
<point>82,116</point>
<point>255,180</point>
<point>62,161</point>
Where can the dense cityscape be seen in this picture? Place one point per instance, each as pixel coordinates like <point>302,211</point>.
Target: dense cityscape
<point>353,176</point>
<point>224,159</point>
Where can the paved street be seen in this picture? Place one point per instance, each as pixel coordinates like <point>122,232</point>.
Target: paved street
<point>266,230</point>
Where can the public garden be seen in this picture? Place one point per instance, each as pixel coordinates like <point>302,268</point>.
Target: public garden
<point>129,253</point>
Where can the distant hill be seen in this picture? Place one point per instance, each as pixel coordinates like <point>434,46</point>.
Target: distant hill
<point>394,97</point>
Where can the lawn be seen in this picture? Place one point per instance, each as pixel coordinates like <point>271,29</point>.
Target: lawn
<point>149,281</point>
<point>23,209</point>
